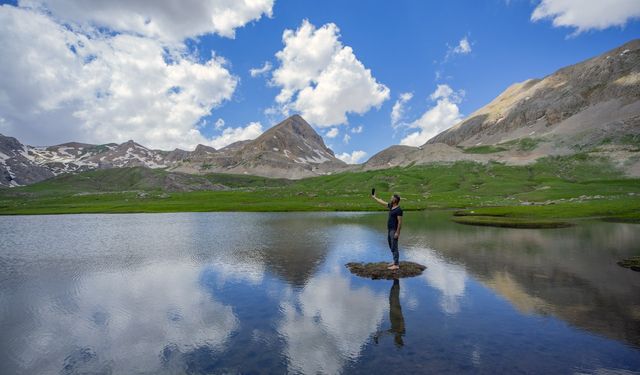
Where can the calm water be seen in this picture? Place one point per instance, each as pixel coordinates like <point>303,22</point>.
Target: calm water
<point>269,293</point>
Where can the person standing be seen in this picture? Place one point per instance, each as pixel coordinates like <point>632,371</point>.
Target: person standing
<point>394,224</point>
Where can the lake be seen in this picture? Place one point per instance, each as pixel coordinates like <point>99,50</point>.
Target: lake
<point>269,293</point>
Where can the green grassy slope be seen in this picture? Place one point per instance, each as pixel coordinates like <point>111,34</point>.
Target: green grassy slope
<point>559,187</point>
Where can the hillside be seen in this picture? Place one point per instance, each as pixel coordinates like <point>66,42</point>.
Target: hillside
<point>564,187</point>
<point>592,106</point>
<point>291,149</point>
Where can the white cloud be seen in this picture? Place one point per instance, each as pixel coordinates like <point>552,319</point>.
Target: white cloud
<point>352,158</point>
<point>437,118</point>
<point>58,82</point>
<point>332,133</point>
<point>165,20</point>
<point>230,135</point>
<point>357,130</point>
<point>587,15</point>
<point>463,47</point>
<point>322,79</point>
<point>397,112</point>
<point>219,123</point>
<point>346,139</point>
<point>262,70</point>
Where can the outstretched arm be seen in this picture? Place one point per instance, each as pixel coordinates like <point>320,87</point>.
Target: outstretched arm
<point>379,200</point>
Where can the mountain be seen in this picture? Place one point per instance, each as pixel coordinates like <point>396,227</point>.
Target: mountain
<point>592,106</point>
<point>291,149</point>
<point>17,166</point>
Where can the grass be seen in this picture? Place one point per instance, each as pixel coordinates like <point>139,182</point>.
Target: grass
<point>632,263</point>
<point>487,149</point>
<point>379,270</point>
<point>510,222</point>
<point>550,188</point>
<point>521,144</point>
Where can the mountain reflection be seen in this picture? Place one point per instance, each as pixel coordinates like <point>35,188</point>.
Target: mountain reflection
<point>569,273</point>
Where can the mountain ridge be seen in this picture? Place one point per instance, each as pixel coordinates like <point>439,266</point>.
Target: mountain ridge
<point>592,106</point>
<point>290,149</point>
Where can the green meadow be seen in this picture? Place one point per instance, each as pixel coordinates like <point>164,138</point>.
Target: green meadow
<point>579,186</point>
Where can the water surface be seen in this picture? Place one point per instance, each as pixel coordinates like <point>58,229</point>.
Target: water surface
<point>269,293</point>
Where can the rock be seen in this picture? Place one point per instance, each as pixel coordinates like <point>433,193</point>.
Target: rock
<point>379,270</point>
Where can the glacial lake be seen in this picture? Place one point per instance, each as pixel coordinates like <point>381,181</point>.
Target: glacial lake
<point>269,293</point>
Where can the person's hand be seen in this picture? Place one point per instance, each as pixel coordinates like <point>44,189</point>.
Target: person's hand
<point>396,235</point>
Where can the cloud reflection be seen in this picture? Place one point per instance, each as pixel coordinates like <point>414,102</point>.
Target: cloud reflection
<point>448,278</point>
<point>126,320</point>
<point>328,323</point>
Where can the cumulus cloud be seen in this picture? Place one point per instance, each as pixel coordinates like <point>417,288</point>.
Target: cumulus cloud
<point>352,158</point>
<point>166,20</point>
<point>322,79</point>
<point>59,81</point>
<point>587,15</point>
<point>332,133</point>
<point>357,130</point>
<point>397,112</point>
<point>346,139</point>
<point>230,135</point>
<point>438,118</point>
<point>255,72</point>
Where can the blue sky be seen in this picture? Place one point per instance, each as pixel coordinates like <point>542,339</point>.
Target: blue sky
<point>408,46</point>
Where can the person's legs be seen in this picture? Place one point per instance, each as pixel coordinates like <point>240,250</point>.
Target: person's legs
<point>390,242</point>
<point>393,245</point>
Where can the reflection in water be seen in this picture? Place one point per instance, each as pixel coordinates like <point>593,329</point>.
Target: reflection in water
<point>395,317</point>
<point>570,273</point>
<point>121,322</point>
<point>330,323</point>
<point>448,278</point>
<point>181,293</point>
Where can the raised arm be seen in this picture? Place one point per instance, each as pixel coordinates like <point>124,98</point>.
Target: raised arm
<point>379,200</point>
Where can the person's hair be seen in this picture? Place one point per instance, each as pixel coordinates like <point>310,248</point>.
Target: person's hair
<point>397,197</point>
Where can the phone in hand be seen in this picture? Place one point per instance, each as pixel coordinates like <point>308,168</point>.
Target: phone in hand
<point>373,191</point>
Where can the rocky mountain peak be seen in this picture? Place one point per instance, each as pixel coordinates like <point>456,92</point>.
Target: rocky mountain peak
<point>293,134</point>
<point>291,149</point>
<point>202,149</point>
<point>605,85</point>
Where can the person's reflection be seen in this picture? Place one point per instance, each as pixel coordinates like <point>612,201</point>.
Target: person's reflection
<point>395,317</point>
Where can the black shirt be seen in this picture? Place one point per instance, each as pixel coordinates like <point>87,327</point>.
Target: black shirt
<point>392,223</point>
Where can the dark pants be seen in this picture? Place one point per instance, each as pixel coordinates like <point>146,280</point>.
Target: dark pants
<point>393,245</point>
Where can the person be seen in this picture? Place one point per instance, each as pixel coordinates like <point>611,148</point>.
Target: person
<point>394,224</point>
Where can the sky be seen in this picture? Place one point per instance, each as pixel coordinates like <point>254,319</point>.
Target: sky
<point>365,74</point>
